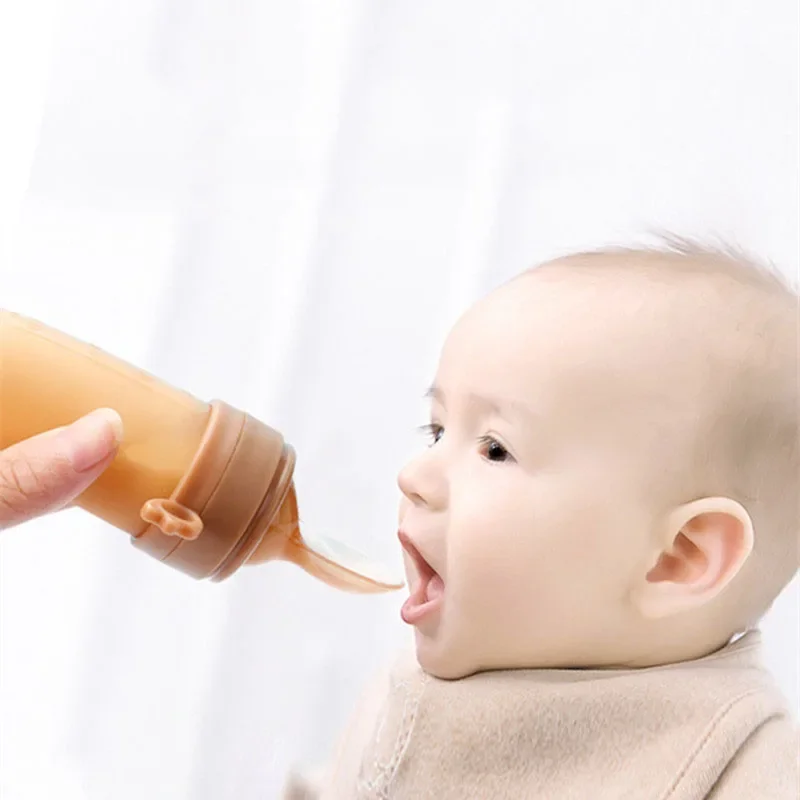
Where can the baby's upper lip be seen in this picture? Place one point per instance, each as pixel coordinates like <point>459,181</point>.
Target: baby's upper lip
<point>421,564</point>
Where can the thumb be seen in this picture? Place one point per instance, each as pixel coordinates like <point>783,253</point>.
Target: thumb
<point>48,471</point>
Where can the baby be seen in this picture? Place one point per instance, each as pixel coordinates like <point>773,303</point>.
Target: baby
<point>608,507</point>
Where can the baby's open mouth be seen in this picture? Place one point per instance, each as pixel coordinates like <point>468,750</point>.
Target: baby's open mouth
<point>427,590</point>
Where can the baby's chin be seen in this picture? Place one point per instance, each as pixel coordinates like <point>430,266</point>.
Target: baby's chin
<point>448,658</point>
<point>442,660</point>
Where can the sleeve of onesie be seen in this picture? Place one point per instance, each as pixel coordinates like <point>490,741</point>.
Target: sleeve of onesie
<point>766,767</point>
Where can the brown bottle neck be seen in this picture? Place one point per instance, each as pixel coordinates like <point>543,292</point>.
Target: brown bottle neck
<point>272,528</point>
<point>237,484</point>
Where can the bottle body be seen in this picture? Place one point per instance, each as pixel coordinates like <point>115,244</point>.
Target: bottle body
<point>202,487</point>
<point>49,379</point>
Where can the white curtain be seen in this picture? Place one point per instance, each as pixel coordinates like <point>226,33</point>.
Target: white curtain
<point>286,205</point>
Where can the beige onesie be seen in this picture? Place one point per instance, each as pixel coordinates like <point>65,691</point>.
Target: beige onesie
<point>717,728</point>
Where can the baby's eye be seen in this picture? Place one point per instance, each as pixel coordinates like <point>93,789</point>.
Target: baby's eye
<point>434,432</point>
<point>494,451</point>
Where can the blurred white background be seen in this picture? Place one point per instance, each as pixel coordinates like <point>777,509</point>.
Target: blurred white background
<point>285,205</point>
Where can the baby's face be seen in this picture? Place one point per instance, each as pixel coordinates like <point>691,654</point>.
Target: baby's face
<point>526,521</point>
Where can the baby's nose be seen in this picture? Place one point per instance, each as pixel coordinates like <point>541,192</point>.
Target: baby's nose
<point>422,481</point>
<point>407,485</point>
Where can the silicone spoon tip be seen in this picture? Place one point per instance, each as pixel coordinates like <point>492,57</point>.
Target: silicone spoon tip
<point>342,566</point>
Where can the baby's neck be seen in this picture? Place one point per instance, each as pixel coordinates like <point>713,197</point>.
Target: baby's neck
<point>671,647</point>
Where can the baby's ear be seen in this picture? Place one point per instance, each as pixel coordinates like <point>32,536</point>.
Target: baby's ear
<point>706,544</point>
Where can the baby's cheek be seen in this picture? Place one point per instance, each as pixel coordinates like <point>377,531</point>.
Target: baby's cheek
<point>489,569</point>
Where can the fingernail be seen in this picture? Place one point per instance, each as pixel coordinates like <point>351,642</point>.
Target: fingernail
<point>92,438</point>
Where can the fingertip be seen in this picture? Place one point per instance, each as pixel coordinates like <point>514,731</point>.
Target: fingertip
<point>93,438</point>
<point>113,420</point>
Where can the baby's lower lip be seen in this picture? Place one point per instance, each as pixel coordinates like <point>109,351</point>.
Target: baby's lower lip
<point>424,601</point>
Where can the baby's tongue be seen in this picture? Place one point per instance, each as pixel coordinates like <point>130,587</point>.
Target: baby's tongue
<point>434,589</point>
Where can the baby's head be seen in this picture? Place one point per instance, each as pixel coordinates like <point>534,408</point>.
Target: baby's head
<point>613,472</point>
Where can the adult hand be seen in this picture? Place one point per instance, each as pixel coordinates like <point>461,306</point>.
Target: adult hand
<point>47,472</point>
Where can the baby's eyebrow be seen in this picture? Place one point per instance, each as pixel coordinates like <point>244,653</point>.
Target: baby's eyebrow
<point>434,393</point>
<point>493,405</point>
